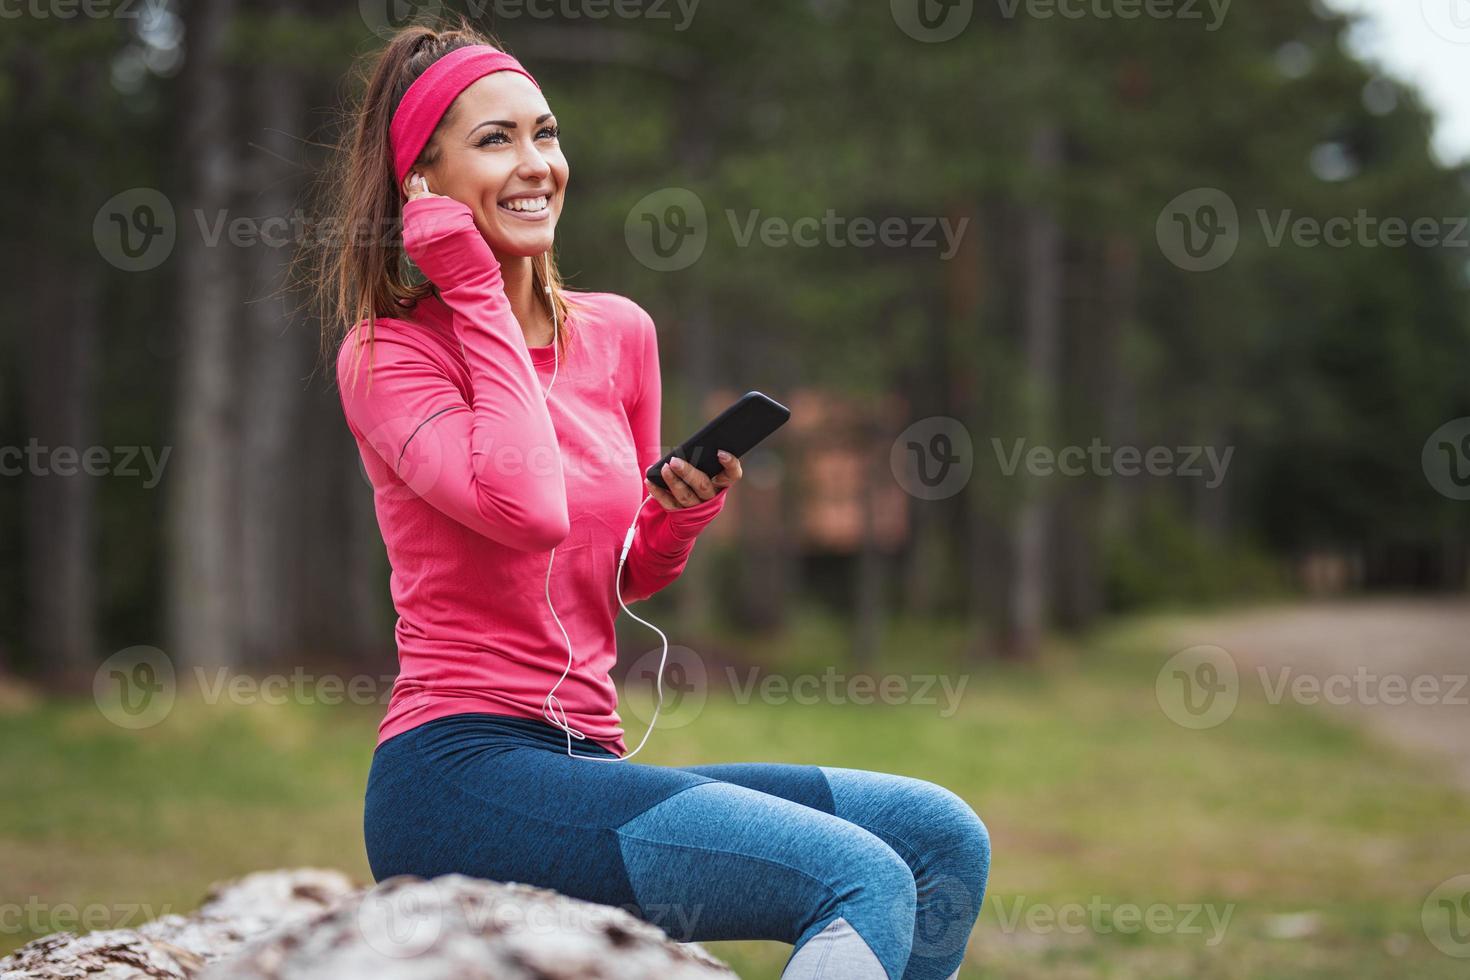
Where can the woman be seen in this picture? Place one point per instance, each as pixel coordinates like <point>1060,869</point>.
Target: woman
<point>505,424</point>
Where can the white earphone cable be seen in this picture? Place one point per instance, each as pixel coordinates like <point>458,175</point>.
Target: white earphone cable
<point>551,707</point>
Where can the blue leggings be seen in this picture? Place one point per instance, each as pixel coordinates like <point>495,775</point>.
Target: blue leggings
<point>867,875</point>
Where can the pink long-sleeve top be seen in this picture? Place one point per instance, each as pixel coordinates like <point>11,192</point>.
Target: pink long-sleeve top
<point>476,477</point>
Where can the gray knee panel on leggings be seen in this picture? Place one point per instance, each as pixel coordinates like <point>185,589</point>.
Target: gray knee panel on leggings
<point>741,864</point>
<point>835,953</point>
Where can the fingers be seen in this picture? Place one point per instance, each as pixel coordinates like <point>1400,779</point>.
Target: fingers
<point>416,186</point>
<point>687,482</point>
<point>688,485</point>
<point>732,472</point>
<point>665,499</point>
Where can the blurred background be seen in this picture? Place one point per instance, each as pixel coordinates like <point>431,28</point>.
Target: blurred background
<point>1124,492</point>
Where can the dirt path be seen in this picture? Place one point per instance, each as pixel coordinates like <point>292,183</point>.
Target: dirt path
<point>1399,666</point>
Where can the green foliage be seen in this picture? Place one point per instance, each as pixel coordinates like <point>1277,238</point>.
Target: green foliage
<point>1166,561</point>
<point>1326,367</point>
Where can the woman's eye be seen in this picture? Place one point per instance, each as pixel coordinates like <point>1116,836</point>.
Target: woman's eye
<point>501,136</point>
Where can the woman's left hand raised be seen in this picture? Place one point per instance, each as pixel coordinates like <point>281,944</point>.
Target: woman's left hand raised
<point>689,486</point>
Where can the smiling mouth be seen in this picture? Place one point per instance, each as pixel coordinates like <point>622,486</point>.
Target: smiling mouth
<point>526,205</point>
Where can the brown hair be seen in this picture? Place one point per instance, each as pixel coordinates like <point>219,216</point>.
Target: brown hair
<point>357,273</point>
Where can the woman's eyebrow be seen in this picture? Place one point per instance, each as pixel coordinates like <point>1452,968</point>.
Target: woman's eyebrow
<point>510,125</point>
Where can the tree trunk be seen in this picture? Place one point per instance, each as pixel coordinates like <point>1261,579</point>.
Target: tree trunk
<point>204,586</point>
<point>870,596</point>
<point>60,505</point>
<point>60,377</point>
<point>1029,599</point>
<point>272,400</point>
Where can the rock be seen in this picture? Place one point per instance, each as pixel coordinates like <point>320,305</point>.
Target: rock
<point>407,928</point>
<point>178,946</point>
<point>312,922</point>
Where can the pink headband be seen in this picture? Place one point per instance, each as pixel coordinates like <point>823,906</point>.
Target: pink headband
<point>430,95</point>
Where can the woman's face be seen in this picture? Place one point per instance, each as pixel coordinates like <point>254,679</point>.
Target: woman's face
<point>499,155</point>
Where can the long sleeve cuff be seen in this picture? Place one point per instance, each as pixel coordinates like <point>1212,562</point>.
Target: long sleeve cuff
<point>663,543</point>
<point>671,531</point>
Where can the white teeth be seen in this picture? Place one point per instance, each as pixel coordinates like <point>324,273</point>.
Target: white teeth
<point>525,204</point>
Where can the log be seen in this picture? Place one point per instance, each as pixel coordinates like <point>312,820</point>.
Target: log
<point>313,922</point>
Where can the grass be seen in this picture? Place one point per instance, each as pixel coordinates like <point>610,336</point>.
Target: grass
<point>1104,815</point>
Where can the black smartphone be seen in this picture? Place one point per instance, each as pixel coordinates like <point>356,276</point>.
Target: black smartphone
<point>736,430</point>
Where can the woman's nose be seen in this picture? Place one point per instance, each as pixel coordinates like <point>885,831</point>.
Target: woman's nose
<point>533,164</point>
